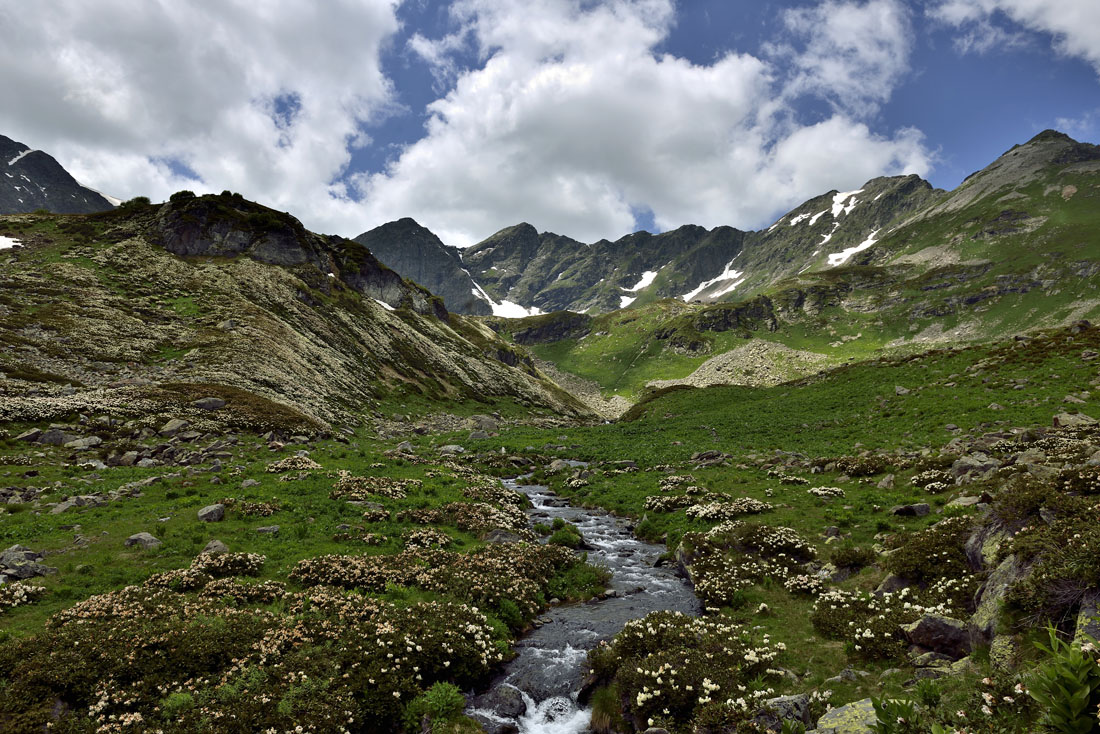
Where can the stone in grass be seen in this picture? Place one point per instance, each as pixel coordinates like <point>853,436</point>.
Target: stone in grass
<point>784,708</point>
<point>452,449</point>
<point>1072,420</point>
<point>249,483</point>
<point>940,634</point>
<point>855,718</point>
<point>172,427</point>
<point>212,513</point>
<point>918,510</point>
<point>210,403</point>
<point>271,530</point>
<point>30,436</point>
<point>145,540</point>
<point>215,546</point>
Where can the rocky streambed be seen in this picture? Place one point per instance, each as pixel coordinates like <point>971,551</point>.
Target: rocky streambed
<point>537,692</point>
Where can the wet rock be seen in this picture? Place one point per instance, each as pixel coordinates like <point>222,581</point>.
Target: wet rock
<point>940,634</point>
<point>144,540</point>
<point>212,513</point>
<point>208,403</point>
<point>505,700</point>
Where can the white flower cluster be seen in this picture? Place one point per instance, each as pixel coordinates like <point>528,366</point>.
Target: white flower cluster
<point>826,492</point>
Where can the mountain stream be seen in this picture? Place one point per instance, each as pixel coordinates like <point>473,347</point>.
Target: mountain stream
<point>536,693</point>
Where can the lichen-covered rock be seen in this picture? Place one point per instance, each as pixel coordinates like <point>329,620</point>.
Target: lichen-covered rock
<point>212,513</point>
<point>144,540</point>
<point>854,718</point>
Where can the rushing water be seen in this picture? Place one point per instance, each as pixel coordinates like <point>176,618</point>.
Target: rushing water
<point>550,664</point>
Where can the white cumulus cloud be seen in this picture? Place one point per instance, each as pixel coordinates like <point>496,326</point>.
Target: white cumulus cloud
<point>1073,24</point>
<point>574,121</point>
<point>132,96</point>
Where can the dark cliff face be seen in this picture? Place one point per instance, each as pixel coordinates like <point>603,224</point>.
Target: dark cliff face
<point>416,253</point>
<point>230,226</point>
<point>33,180</point>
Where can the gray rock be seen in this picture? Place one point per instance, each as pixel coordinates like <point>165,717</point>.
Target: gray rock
<point>147,463</point>
<point>215,546</point>
<point>249,483</point>
<point>405,447</point>
<point>478,435</point>
<point>887,482</point>
<point>484,423</point>
<point>783,708</point>
<point>855,718</point>
<point>918,510</point>
<point>128,459</point>
<point>145,540</point>
<point>558,465</point>
<point>505,700</point>
<point>899,390</point>
<point>172,427</point>
<point>29,436</point>
<point>81,444</point>
<point>55,437</point>
<point>451,449</point>
<point>940,634</point>
<point>212,513</point>
<point>989,599</point>
<point>892,584</point>
<point>1072,420</point>
<point>208,404</point>
<point>964,502</point>
<point>1088,619</point>
<point>502,536</point>
<point>268,530</point>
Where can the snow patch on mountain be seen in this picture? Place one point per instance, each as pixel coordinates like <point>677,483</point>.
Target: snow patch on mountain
<point>647,278</point>
<point>839,258</point>
<point>7,242</point>
<point>840,198</point>
<point>19,157</point>
<point>728,273</point>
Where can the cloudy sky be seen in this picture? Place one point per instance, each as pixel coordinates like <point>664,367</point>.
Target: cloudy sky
<point>590,118</point>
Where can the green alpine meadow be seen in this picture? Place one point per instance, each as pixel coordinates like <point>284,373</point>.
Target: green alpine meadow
<point>838,476</point>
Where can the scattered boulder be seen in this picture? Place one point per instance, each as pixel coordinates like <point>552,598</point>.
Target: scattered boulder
<point>249,483</point>
<point>989,599</point>
<point>1088,619</point>
<point>405,447</point>
<point>172,427</point>
<point>215,546</point>
<point>485,423</point>
<point>1072,420</point>
<point>899,390</point>
<point>208,403</point>
<point>855,718</point>
<point>558,465</point>
<point>505,700</point>
<point>784,708</point>
<point>478,435</point>
<point>212,513</point>
<point>82,444</point>
<point>499,535</point>
<point>20,562</point>
<point>272,530</point>
<point>56,437</point>
<point>975,463</point>
<point>30,436</point>
<point>451,449</point>
<point>918,510</point>
<point>940,634</point>
<point>145,540</point>
<point>887,482</point>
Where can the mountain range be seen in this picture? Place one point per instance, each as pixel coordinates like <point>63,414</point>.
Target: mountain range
<point>34,180</point>
<point>520,271</point>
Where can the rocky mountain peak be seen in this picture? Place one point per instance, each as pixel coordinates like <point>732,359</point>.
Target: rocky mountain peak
<point>32,180</point>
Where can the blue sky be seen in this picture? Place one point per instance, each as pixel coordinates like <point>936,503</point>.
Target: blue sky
<point>591,118</point>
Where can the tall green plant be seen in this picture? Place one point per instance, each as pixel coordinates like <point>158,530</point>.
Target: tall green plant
<point>1067,686</point>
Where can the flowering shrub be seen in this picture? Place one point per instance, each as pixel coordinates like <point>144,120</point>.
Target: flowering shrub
<point>18,593</point>
<point>826,492</point>
<point>143,659</point>
<point>938,552</point>
<point>358,534</point>
<point>669,666</point>
<point>425,538</point>
<point>293,463</point>
<point>244,592</point>
<point>474,517</point>
<point>228,564</point>
<point>667,503</point>
<point>931,476</point>
<point>861,466</point>
<point>250,509</point>
<point>180,579</point>
<point>354,488</point>
<point>804,584</point>
<point>671,482</point>
<point>728,510</point>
